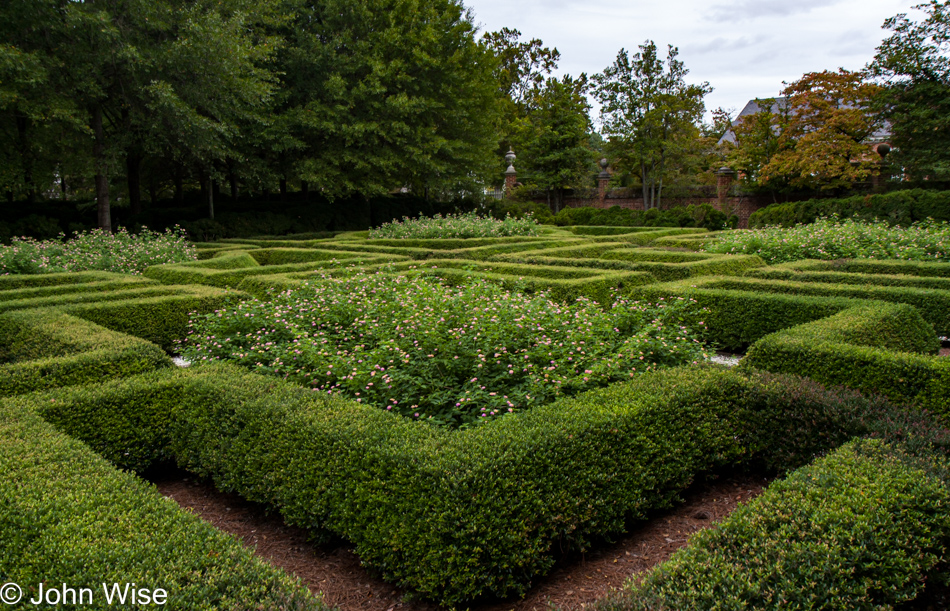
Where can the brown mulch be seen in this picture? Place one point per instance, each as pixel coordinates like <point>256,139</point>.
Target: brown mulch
<point>574,583</point>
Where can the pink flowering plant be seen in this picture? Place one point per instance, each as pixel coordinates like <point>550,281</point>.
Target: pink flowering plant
<point>122,252</point>
<point>833,238</point>
<point>452,356</point>
<point>467,225</point>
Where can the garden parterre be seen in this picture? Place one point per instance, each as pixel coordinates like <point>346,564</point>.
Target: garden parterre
<point>456,515</point>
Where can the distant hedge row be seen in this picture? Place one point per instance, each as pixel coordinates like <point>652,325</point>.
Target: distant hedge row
<point>703,215</point>
<point>900,207</point>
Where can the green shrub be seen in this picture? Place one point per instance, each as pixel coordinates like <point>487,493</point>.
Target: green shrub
<point>15,282</point>
<point>233,277</point>
<point>80,297</point>
<point>96,250</point>
<point>703,215</point>
<point>161,320</point>
<point>452,516</point>
<point>898,207</point>
<point>831,239</point>
<point>124,282</point>
<point>874,349</point>
<point>452,356</point>
<point>868,266</point>
<point>737,315</point>
<point>43,349</point>
<point>860,529</point>
<point>67,516</point>
<point>920,282</point>
<point>465,225</point>
<point>933,305</point>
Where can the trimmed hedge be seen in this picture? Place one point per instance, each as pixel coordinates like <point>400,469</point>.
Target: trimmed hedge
<point>227,278</point>
<point>89,524</point>
<point>933,305</point>
<point>24,281</point>
<point>900,207</point>
<point>689,242</point>
<point>456,515</point>
<point>920,282</point>
<point>870,266</point>
<point>646,238</point>
<point>737,318</point>
<point>44,349</point>
<point>75,298</point>
<point>874,349</point>
<point>601,287</point>
<point>283,256</point>
<point>862,528</point>
<point>161,320</point>
<point>125,282</point>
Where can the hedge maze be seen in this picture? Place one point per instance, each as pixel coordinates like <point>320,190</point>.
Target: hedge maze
<point>90,397</point>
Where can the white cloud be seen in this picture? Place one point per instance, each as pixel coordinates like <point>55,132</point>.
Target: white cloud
<point>747,55</point>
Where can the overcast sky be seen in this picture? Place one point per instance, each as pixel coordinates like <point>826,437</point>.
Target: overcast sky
<point>744,48</point>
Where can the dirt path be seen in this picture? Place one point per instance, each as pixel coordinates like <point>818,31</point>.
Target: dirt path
<point>574,583</point>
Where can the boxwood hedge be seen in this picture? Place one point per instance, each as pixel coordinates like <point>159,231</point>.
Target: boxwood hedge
<point>42,349</point>
<point>862,528</point>
<point>67,516</point>
<point>456,515</point>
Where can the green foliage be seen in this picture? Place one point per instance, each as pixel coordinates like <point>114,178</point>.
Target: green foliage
<point>372,100</point>
<point>916,101</point>
<point>874,349</point>
<point>649,114</point>
<point>897,207</point>
<point>554,137</point>
<point>861,528</point>
<point>122,252</point>
<point>466,225</point>
<point>704,215</point>
<point>90,523</point>
<point>839,239</point>
<point>42,349</point>
<point>161,320</point>
<point>483,511</point>
<point>449,356</point>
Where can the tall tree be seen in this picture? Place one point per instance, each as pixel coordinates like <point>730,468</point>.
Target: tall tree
<point>914,64</point>
<point>649,113</point>
<point>145,74</point>
<point>385,94</point>
<point>555,140</point>
<point>758,139</point>
<point>824,141</point>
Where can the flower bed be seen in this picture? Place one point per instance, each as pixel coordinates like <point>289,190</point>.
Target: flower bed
<point>450,355</point>
<point>123,252</point>
<point>467,225</point>
<point>831,238</point>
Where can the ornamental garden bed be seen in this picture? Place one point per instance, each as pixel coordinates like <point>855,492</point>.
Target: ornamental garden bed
<point>453,515</point>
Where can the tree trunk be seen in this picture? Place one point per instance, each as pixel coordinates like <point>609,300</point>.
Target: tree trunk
<point>9,197</point>
<point>102,178</point>
<point>232,180</point>
<point>283,190</point>
<point>26,155</point>
<point>62,187</point>
<point>133,166</point>
<point>152,190</point>
<point>210,190</point>
<point>305,189</point>
<point>179,186</point>
<point>646,186</point>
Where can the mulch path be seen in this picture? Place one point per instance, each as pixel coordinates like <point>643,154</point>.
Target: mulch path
<point>574,583</point>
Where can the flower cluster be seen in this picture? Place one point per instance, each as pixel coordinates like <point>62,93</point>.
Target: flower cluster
<point>452,356</point>
<point>123,252</point>
<point>467,225</point>
<point>832,238</point>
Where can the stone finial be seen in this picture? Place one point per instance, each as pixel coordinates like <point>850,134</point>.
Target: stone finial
<point>510,158</point>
